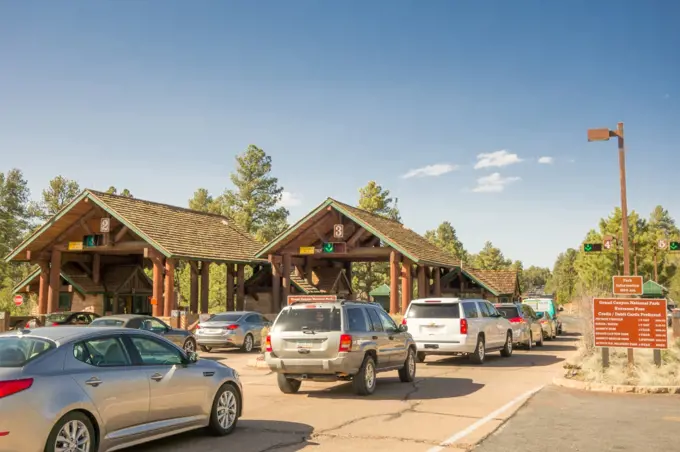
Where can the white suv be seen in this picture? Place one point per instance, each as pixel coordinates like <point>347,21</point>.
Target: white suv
<point>453,326</point>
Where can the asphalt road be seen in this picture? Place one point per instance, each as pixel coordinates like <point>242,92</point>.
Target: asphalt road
<point>451,399</point>
<point>561,420</point>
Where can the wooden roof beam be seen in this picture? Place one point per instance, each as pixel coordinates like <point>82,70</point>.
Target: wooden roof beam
<point>74,227</point>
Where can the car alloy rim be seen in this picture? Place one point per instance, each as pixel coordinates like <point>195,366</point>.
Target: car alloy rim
<point>226,409</point>
<point>370,375</point>
<point>249,343</point>
<point>509,343</point>
<point>411,363</point>
<point>481,350</point>
<point>73,437</point>
<point>189,346</point>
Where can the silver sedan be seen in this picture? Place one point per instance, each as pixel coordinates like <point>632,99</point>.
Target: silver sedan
<point>100,389</point>
<point>242,329</point>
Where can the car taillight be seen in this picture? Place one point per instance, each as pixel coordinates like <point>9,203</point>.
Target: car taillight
<point>403,321</point>
<point>231,327</point>
<point>463,326</point>
<point>13,386</point>
<point>516,320</point>
<point>198,327</point>
<point>345,343</point>
<point>268,344</point>
<point>54,324</point>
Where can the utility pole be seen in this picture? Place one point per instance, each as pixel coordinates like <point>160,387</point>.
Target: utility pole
<point>604,135</point>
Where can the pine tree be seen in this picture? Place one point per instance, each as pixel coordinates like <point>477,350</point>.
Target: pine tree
<point>59,193</point>
<point>490,258</point>
<point>445,237</point>
<point>114,191</point>
<point>204,202</point>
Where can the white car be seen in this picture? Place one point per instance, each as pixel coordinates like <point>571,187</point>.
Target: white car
<point>453,326</point>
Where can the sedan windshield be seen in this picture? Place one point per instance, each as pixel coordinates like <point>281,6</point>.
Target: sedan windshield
<point>107,322</point>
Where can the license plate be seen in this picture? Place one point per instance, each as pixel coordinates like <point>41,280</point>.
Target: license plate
<point>213,331</point>
<point>431,346</point>
<point>305,344</point>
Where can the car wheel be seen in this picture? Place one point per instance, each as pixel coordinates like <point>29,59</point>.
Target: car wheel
<point>190,345</point>
<point>225,411</point>
<point>74,432</point>
<point>407,374</point>
<point>248,343</point>
<point>364,381</point>
<point>530,344</point>
<point>205,348</point>
<point>539,343</point>
<point>421,357</point>
<point>506,351</point>
<point>288,385</point>
<point>479,354</point>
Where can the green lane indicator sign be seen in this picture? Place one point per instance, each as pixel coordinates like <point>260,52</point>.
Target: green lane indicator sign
<point>674,246</point>
<point>328,247</point>
<point>592,247</point>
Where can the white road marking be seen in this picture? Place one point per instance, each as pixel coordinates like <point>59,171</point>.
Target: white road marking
<point>463,433</point>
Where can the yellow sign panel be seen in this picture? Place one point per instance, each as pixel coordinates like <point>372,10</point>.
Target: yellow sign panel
<point>75,246</point>
<point>306,250</point>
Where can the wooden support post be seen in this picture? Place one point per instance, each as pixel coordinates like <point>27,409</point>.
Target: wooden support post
<point>205,286</point>
<point>230,287</point>
<point>169,296</point>
<point>276,285</point>
<point>193,288</point>
<point>286,279</point>
<point>406,284</point>
<point>96,268</point>
<point>55,282</point>
<point>44,287</point>
<point>309,270</point>
<point>394,282</point>
<point>437,282</point>
<point>241,288</point>
<point>422,281</point>
<point>157,286</point>
<point>348,273</point>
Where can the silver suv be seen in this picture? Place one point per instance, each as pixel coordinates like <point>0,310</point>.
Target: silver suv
<point>340,340</point>
<point>451,326</point>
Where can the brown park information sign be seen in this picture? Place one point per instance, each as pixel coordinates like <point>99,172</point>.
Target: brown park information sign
<point>627,285</point>
<point>311,298</point>
<point>630,323</point>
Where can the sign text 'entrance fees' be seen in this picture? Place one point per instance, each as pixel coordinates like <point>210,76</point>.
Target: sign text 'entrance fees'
<point>630,323</point>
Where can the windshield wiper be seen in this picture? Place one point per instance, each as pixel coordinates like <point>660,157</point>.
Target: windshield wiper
<point>308,330</point>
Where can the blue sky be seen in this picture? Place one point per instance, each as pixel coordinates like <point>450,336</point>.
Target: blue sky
<point>159,96</point>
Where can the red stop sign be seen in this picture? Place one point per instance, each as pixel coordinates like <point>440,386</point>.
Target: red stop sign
<point>18,300</point>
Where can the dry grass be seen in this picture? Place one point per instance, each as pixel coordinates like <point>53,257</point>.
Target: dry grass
<point>586,365</point>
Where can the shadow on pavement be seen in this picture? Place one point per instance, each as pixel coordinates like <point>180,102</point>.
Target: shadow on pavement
<point>390,388</point>
<point>517,360</point>
<point>249,436</point>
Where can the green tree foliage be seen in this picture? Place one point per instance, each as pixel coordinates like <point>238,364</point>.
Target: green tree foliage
<point>14,224</point>
<point>203,201</point>
<point>490,258</point>
<point>366,276</point>
<point>564,278</point>
<point>59,193</point>
<point>254,203</point>
<point>114,191</point>
<point>534,277</point>
<point>445,238</point>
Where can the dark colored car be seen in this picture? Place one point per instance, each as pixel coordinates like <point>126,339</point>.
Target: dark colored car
<point>65,318</point>
<point>179,337</point>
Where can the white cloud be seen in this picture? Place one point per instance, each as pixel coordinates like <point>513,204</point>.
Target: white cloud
<point>496,159</point>
<point>430,170</point>
<point>546,160</point>
<point>289,199</point>
<point>493,183</point>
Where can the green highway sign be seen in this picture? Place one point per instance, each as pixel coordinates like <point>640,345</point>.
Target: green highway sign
<point>592,247</point>
<point>328,247</point>
<point>674,246</point>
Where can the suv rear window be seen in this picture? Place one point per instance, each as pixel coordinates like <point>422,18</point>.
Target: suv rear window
<point>434,311</point>
<point>316,319</point>
<point>509,312</point>
<point>17,351</point>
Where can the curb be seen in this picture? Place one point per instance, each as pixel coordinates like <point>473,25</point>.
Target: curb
<point>258,363</point>
<point>614,389</point>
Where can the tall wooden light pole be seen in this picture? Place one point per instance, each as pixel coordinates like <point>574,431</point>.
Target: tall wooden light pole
<point>604,135</point>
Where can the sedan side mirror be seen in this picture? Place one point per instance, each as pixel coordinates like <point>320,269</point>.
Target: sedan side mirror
<point>193,357</point>
<point>402,328</point>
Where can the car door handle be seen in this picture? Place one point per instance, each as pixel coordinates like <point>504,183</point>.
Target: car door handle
<point>94,382</point>
<point>375,338</point>
<point>156,377</point>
